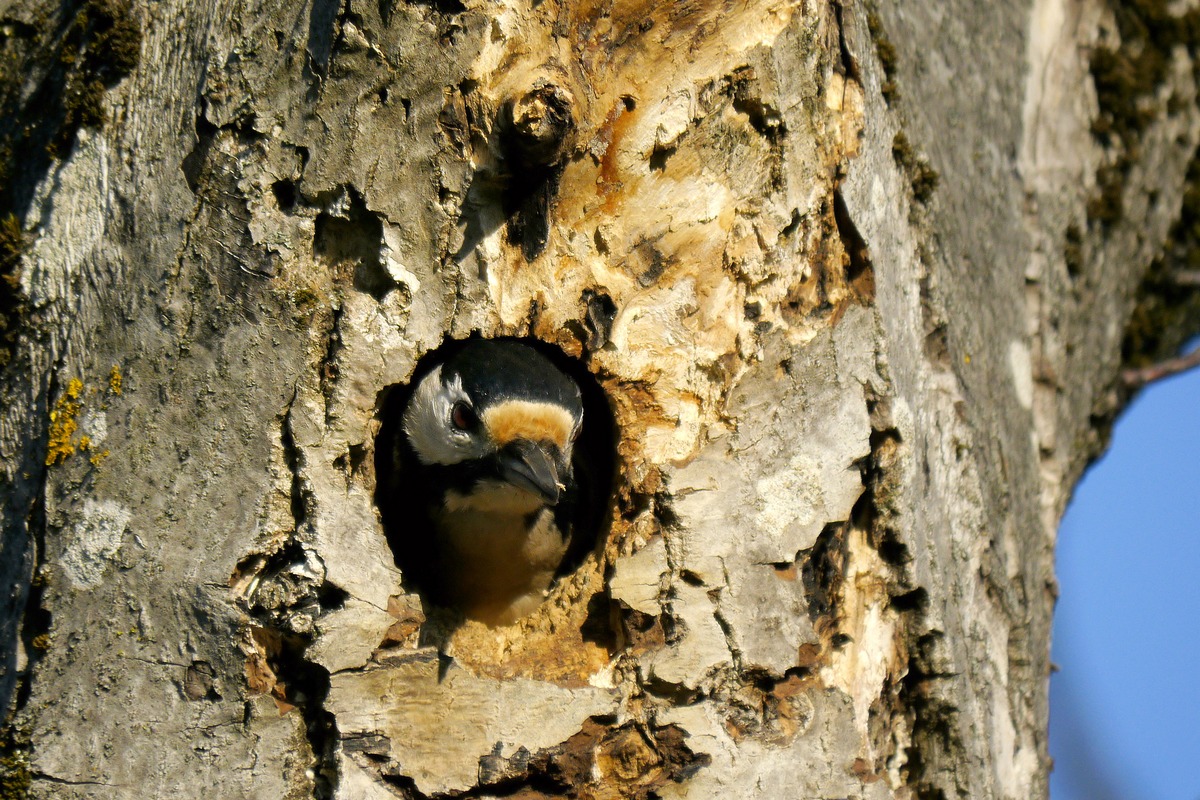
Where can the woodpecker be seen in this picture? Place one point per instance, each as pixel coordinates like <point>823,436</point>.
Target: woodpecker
<point>493,430</point>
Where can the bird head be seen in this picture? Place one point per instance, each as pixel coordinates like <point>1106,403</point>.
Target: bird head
<point>500,420</point>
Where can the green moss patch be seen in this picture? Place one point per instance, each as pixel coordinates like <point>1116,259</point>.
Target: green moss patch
<point>54,73</point>
<point>102,47</point>
<point>885,51</point>
<point>922,177</point>
<point>1127,78</point>
<point>12,299</point>
<point>1167,313</point>
<point>15,778</point>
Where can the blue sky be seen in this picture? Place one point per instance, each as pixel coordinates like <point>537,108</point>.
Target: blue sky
<point>1125,704</point>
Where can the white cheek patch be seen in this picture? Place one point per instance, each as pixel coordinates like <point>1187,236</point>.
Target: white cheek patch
<point>427,422</point>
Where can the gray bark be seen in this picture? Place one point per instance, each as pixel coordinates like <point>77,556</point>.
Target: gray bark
<point>855,281</point>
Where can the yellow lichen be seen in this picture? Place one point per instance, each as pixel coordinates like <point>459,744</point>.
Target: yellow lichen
<point>41,641</point>
<point>64,419</point>
<point>63,423</point>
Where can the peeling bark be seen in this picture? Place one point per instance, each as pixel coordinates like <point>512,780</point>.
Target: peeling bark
<point>855,284</point>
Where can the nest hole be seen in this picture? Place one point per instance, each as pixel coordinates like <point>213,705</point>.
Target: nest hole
<point>406,507</point>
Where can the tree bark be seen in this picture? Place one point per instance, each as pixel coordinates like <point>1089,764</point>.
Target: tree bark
<point>858,284</point>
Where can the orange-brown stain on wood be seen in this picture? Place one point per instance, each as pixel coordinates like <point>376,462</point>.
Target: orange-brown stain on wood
<point>609,138</point>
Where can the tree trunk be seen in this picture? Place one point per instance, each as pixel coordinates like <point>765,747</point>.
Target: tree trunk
<point>857,284</point>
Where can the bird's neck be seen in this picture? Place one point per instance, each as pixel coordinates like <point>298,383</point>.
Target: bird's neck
<point>492,498</point>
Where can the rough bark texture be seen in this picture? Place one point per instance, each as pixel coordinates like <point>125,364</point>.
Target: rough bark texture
<point>856,281</point>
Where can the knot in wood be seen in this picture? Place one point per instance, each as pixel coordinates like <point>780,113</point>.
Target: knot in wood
<point>542,121</point>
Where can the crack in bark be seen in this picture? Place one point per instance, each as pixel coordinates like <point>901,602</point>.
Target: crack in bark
<point>912,697</point>
<point>44,776</point>
<point>214,726</point>
<point>327,369</point>
<point>846,62</point>
<point>35,618</point>
<point>299,496</point>
<point>735,652</point>
<point>155,662</point>
<point>284,598</point>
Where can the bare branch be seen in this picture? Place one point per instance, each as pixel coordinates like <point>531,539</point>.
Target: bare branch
<point>1136,378</point>
<point>1187,277</point>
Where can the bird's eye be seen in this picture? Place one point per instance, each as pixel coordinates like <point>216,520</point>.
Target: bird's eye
<point>463,416</point>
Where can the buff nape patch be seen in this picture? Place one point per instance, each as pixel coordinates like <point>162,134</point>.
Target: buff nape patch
<point>535,422</point>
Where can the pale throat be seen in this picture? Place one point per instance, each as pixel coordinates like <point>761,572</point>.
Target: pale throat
<point>493,497</point>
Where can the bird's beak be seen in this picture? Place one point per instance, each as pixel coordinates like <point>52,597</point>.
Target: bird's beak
<point>533,468</point>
